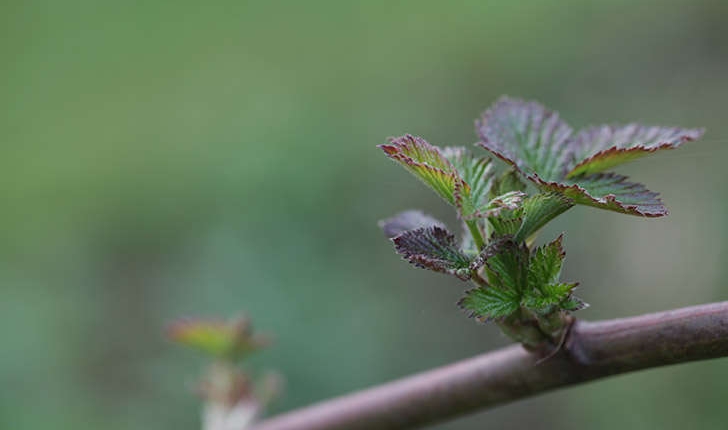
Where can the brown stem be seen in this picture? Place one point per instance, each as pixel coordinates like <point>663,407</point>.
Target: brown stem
<point>592,350</point>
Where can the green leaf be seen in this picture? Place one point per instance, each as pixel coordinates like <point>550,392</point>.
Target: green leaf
<point>427,163</point>
<point>545,150</point>
<point>606,146</point>
<point>546,294</point>
<point>549,298</point>
<point>477,173</point>
<point>509,181</point>
<point>511,200</point>
<point>574,303</point>
<point>505,225</point>
<point>407,220</point>
<point>538,210</point>
<point>433,248</point>
<point>504,213</point>
<point>527,136</point>
<point>486,304</point>
<point>545,265</point>
<point>228,339</point>
<point>610,191</point>
<point>506,264</point>
<point>453,173</point>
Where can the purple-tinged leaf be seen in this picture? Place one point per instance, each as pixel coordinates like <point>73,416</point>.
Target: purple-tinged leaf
<point>427,163</point>
<point>526,135</point>
<point>407,220</point>
<point>544,149</point>
<point>609,191</point>
<point>433,248</point>
<point>602,147</point>
<point>511,200</point>
<point>452,172</point>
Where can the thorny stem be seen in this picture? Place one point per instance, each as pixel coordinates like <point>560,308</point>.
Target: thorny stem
<point>591,350</point>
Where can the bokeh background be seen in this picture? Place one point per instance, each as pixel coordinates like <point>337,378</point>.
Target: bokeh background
<point>167,159</point>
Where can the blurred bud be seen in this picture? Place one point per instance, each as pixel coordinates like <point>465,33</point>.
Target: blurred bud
<point>232,340</point>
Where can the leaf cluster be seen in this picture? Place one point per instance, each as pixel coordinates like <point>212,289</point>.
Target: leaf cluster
<point>520,279</point>
<point>519,285</point>
<point>547,151</point>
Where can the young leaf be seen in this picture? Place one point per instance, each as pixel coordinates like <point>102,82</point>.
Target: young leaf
<point>407,220</point>
<point>433,248</point>
<point>545,265</point>
<point>505,213</point>
<point>452,172</point>
<point>538,210</point>
<point>485,304</point>
<point>509,181</point>
<point>574,303</point>
<point>550,298</point>
<point>527,136</point>
<point>506,264</point>
<point>546,151</point>
<point>606,146</point>
<point>609,191</point>
<point>229,339</point>
<point>506,225</point>
<point>509,201</point>
<point>427,163</point>
<point>477,173</point>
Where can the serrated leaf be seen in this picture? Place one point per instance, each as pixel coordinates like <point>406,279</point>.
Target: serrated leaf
<point>546,294</point>
<point>506,264</point>
<point>527,136</point>
<point>606,146</point>
<point>549,298</point>
<point>609,191</point>
<point>506,213</point>
<point>427,163</point>
<point>538,210</point>
<point>511,200</point>
<point>505,226</point>
<point>509,181</point>
<point>453,173</point>
<point>433,248</point>
<point>545,265</point>
<point>407,220</point>
<point>477,173</point>
<point>230,339</point>
<point>545,150</point>
<point>485,304</point>
<point>573,304</point>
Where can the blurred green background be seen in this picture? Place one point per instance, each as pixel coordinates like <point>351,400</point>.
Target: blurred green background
<point>166,159</point>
